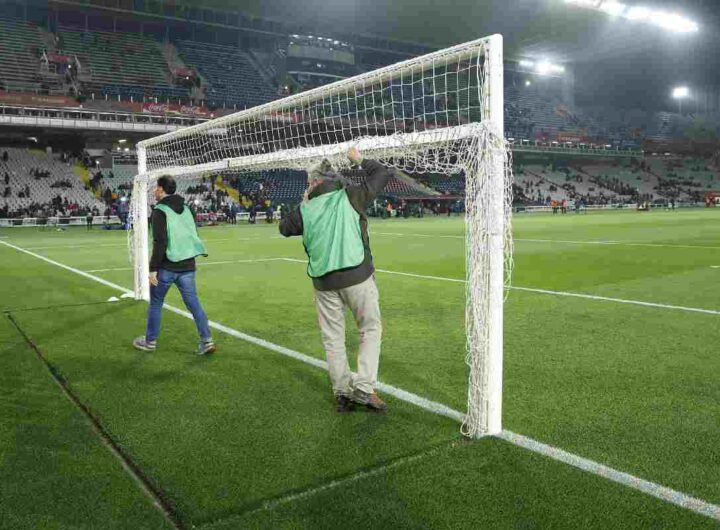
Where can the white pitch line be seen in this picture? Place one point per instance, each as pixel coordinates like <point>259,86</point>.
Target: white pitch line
<point>663,493</point>
<point>201,264</point>
<point>555,293</point>
<point>124,244</point>
<point>93,245</point>
<point>618,243</point>
<point>372,233</point>
<point>560,241</point>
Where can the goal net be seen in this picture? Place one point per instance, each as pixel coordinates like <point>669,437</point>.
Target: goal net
<point>439,113</point>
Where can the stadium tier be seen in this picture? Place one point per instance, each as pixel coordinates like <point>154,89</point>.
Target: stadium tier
<point>233,79</point>
<point>121,64</point>
<point>20,50</point>
<point>34,184</point>
<point>130,65</point>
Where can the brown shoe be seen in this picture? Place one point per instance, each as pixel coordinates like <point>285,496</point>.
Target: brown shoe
<point>371,401</point>
<point>343,404</point>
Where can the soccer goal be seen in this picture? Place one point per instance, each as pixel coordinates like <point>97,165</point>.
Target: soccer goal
<point>439,113</point>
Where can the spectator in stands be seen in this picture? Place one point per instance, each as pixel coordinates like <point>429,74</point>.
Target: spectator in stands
<point>7,178</point>
<point>341,267</point>
<point>176,244</point>
<point>5,156</point>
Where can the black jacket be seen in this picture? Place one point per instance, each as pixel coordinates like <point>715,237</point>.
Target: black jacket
<point>159,227</point>
<point>361,197</point>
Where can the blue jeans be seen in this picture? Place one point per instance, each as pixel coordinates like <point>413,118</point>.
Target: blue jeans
<point>185,282</point>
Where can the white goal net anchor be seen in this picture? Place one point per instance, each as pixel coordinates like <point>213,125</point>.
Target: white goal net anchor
<point>439,113</point>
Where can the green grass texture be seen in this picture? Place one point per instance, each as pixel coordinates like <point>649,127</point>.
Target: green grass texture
<point>232,439</point>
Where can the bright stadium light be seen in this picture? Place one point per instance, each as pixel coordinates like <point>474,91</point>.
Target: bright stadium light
<point>638,13</point>
<point>664,19</point>
<point>613,8</point>
<point>543,68</point>
<point>528,83</point>
<point>673,22</point>
<point>526,64</point>
<point>681,92</point>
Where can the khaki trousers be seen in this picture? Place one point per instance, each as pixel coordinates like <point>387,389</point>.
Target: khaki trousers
<point>363,301</point>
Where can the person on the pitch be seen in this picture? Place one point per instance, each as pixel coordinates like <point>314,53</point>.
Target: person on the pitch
<point>176,244</point>
<point>333,224</point>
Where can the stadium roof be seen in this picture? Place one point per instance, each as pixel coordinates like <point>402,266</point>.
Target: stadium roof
<point>640,56</point>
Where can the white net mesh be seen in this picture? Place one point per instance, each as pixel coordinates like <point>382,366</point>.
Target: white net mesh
<point>431,114</point>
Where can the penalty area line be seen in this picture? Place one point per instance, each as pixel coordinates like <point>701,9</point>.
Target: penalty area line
<point>657,491</point>
<point>202,264</point>
<point>549,292</point>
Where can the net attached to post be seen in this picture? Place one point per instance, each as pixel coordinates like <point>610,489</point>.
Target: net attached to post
<point>440,113</point>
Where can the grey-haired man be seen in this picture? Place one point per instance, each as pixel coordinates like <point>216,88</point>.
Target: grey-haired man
<point>334,227</point>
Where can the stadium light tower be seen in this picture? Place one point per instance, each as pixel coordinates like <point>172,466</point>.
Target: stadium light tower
<point>680,93</point>
<point>667,20</point>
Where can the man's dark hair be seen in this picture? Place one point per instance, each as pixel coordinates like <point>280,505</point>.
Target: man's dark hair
<point>167,183</point>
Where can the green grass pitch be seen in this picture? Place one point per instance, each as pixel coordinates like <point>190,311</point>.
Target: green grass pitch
<point>248,438</point>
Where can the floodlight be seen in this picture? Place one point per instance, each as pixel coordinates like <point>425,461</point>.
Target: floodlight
<point>681,92</point>
<point>673,22</point>
<point>528,83</point>
<point>613,8</point>
<point>638,13</point>
<point>526,64</point>
<point>543,68</point>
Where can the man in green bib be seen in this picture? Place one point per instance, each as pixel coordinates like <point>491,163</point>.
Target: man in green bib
<point>334,227</point>
<point>176,244</point>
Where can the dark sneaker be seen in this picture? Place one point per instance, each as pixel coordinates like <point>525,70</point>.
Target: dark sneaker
<point>143,344</point>
<point>206,347</point>
<point>371,401</point>
<point>343,404</point>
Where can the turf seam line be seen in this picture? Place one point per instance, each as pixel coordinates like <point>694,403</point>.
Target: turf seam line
<point>272,503</point>
<point>554,293</point>
<point>152,492</point>
<point>661,492</point>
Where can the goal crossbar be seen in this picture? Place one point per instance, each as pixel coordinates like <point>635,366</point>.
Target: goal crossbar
<point>371,146</point>
<point>459,52</point>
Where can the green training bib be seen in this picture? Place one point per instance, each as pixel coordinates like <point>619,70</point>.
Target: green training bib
<point>183,240</point>
<point>331,234</point>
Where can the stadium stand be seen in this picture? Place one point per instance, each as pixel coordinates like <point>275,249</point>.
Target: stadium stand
<point>22,46</point>
<point>233,79</point>
<point>121,64</point>
<point>34,184</point>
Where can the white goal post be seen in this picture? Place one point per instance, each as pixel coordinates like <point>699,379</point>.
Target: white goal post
<point>439,113</point>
